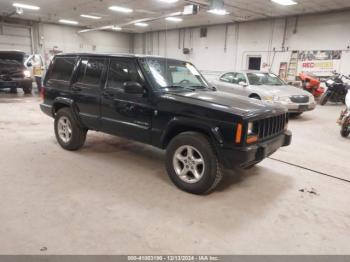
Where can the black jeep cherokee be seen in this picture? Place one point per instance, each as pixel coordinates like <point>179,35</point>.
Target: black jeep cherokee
<point>165,103</point>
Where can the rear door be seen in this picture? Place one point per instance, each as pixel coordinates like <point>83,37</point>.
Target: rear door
<point>86,89</point>
<point>123,114</point>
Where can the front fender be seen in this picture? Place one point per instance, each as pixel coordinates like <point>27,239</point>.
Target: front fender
<point>182,124</point>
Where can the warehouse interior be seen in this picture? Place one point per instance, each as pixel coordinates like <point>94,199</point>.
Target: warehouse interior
<point>114,197</point>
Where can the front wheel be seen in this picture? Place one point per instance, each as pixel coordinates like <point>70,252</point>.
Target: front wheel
<point>324,98</point>
<point>345,130</point>
<point>192,164</point>
<point>68,133</point>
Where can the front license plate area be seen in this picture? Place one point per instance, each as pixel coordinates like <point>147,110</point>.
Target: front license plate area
<point>303,107</point>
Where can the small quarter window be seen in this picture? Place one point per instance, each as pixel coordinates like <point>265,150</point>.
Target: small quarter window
<point>62,68</point>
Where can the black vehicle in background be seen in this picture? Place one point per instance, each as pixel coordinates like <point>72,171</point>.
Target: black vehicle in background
<point>13,72</point>
<point>165,103</point>
<point>336,89</point>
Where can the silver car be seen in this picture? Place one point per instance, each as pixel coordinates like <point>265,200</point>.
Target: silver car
<point>267,87</point>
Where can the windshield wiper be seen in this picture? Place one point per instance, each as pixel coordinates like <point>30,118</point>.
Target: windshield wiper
<point>200,87</point>
<point>179,87</point>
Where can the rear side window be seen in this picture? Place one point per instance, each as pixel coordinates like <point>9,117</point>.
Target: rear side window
<point>121,71</point>
<point>90,71</point>
<point>62,68</point>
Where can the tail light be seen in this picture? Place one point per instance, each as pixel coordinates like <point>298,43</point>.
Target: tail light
<point>42,92</point>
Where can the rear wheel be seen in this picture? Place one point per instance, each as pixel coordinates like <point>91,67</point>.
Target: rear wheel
<point>68,134</point>
<point>192,164</point>
<point>324,99</point>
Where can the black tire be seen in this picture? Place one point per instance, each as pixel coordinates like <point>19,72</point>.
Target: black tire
<point>13,90</point>
<point>211,172</point>
<point>255,97</point>
<point>345,130</point>
<point>27,88</point>
<point>324,99</point>
<point>78,134</point>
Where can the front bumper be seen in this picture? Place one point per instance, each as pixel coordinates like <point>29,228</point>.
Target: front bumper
<point>15,83</point>
<point>46,109</point>
<point>299,108</point>
<point>242,157</point>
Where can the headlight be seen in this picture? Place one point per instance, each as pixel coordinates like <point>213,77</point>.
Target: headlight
<point>251,137</point>
<point>26,73</point>
<point>272,98</point>
<point>312,99</point>
<point>285,99</point>
<point>250,128</point>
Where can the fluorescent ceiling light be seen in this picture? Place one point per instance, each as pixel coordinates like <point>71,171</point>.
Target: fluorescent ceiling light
<point>70,22</point>
<point>120,9</point>
<point>284,2</point>
<point>24,6</point>
<point>116,28</point>
<point>174,19</point>
<point>218,11</point>
<point>91,16</point>
<point>141,24</point>
<point>168,1</point>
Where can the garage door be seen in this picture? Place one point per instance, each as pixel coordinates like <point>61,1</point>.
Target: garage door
<point>15,38</point>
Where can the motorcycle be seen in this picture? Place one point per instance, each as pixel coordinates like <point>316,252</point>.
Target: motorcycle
<point>344,119</point>
<point>311,83</point>
<point>336,91</point>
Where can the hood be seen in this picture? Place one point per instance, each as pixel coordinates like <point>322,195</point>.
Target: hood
<point>282,91</point>
<point>11,67</point>
<point>230,103</point>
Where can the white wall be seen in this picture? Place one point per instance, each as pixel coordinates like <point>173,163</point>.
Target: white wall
<point>67,39</point>
<point>314,32</point>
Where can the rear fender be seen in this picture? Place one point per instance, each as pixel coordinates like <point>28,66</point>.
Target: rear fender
<point>61,102</point>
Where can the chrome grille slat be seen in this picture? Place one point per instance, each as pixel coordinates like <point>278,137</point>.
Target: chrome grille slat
<point>271,126</point>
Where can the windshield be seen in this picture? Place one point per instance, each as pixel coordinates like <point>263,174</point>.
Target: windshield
<point>173,74</point>
<point>264,79</point>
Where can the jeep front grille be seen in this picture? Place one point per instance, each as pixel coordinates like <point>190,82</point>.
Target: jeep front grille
<point>270,127</point>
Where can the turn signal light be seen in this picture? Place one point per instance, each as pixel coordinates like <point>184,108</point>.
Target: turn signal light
<point>42,92</point>
<point>252,139</point>
<point>239,133</point>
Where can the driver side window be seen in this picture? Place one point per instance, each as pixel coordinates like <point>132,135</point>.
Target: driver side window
<point>121,71</point>
<point>240,78</point>
<point>228,78</point>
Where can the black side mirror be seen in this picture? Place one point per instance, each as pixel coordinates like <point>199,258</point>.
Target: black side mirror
<point>29,64</point>
<point>132,87</point>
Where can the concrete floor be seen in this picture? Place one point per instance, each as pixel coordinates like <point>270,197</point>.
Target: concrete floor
<point>114,197</point>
